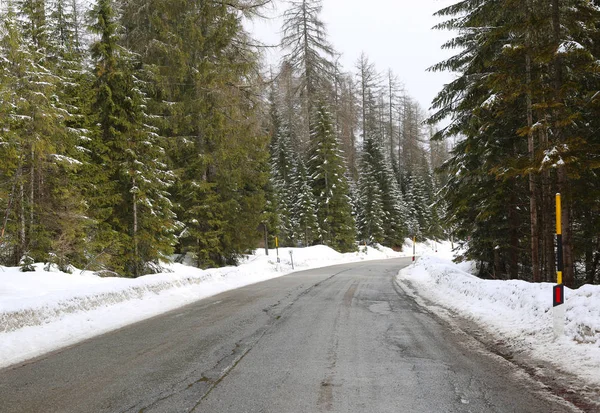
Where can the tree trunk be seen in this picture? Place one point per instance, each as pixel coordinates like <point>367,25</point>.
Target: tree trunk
<point>31,192</point>
<point>76,25</point>
<point>589,249</point>
<point>548,212</point>
<point>497,272</point>
<point>391,114</point>
<point>549,228</point>
<point>513,223</point>
<point>135,231</point>
<point>563,179</point>
<point>533,196</point>
<point>592,278</point>
<point>567,233</point>
<point>11,198</point>
<point>22,240</point>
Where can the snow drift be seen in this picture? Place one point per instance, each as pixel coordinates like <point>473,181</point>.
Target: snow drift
<point>44,310</point>
<point>517,312</point>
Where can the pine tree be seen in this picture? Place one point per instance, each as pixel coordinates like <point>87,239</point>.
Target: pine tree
<point>371,218</point>
<point>44,202</point>
<point>309,54</point>
<point>348,120</point>
<point>374,159</point>
<point>420,204</point>
<point>375,163</point>
<point>304,211</point>
<point>514,65</point>
<point>135,222</point>
<point>73,100</point>
<point>330,186</point>
<point>205,91</point>
<point>282,168</point>
<point>14,60</point>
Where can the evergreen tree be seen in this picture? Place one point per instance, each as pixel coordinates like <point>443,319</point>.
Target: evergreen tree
<point>14,61</point>
<point>514,68</point>
<point>330,186</point>
<point>419,204</point>
<point>73,100</point>
<point>374,162</point>
<point>304,210</point>
<point>282,168</point>
<point>371,218</point>
<point>135,222</point>
<point>309,54</point>
<point>205,92</point>
<point>45,205</point>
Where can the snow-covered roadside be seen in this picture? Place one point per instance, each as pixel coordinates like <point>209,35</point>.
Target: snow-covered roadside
<point>517,312</point>
<point>42,311</point>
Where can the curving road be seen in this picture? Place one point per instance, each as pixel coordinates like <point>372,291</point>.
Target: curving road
<point>337,339</point>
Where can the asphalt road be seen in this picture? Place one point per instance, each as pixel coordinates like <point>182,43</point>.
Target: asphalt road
<point>337,339</point>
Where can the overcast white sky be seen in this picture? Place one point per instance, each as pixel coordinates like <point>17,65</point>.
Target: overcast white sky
<point>395,34</point>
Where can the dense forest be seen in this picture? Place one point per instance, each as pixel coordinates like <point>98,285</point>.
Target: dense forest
<point>525,105</point>
<point>133,132</point>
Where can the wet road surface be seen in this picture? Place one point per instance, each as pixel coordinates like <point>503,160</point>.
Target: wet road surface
<point>336,339</point>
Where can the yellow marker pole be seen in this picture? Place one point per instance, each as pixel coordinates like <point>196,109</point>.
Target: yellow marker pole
<point>558,293</point>
<point>277,247</point>
<point>559,253</point>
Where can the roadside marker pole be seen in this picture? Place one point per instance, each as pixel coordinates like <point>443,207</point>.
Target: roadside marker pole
<point>277,248</point>
<point>414,247</point>
<point>558,292</point>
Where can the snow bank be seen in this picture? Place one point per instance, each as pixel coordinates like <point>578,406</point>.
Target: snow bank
<point>42,311</point>
<point>517,312</point>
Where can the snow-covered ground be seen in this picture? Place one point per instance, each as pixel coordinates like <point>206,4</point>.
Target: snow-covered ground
<point>518,313</point>
<point>45,310</point>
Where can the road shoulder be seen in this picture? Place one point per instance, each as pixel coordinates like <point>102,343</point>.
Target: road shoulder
<point>562,386</point>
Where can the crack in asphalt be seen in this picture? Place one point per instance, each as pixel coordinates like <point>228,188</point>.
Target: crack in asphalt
<point>267,328</point>
<point>237,354</point>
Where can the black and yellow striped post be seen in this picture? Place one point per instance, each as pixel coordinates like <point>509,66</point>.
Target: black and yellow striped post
<point>558,293</point>
<point>559,251</point>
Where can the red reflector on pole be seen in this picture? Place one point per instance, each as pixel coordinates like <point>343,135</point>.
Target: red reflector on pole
<point>559,295</point>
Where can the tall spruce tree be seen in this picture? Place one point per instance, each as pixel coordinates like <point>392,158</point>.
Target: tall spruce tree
<point>135,223</point>
<point>374,159</point>
<point>375,163</point>
<point>205,91</point>
<point>14,62</point>
<point>304,210</point>
<point>514,65</point>
<point>309,54</point>
<point>327,170</point>
<point>371,218</point>
<point>44,206</point>
<point>282,173</point>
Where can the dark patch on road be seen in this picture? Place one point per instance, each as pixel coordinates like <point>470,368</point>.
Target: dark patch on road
<point>350,294</point>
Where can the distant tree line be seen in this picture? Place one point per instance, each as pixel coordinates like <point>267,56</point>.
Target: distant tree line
<point>526,109</point>
<point>350,153</point>
<point>134,130</point>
